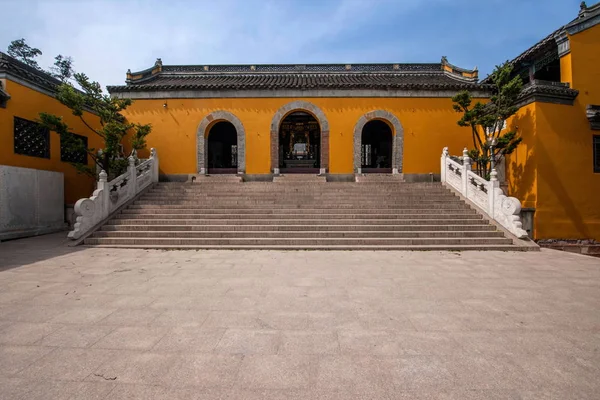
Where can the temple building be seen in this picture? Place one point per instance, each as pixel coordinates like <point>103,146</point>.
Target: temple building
<point>335,119</point>
<point>343,120</point>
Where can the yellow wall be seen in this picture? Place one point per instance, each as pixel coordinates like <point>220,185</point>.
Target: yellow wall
<point>585,59</point>
<point>566,70</point>
<point>27,103</point>
<point>569,191</point>
<point>521,172</point>
<point>429,125</point>
<point>552,170</point>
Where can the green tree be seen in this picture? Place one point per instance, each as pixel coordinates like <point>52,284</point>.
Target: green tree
<point>87,96</point>
<point>62,68</point>
<point>488,120</point>
<point>113,125</point>
<point>24,53</point>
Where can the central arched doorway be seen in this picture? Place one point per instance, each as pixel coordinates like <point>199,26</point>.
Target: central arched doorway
<point>299,144</point>
<point>222,154</point>
<point>376,147</point>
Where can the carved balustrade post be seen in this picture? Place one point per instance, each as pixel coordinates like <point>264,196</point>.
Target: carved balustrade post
<point>465,167</point>
<point>443,165</point>
<point>154,157</point>
<point>105,194</point>
<point>494,183</point>
<point>131,171</point>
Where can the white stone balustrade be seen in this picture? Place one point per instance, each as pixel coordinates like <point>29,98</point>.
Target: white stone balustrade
<point>487,195</point>
<point>109,196</point>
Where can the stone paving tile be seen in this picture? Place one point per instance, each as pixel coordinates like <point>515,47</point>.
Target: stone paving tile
<point>274,372</point>
<point>67,364</point>
<point>81,315</point>
<point>130,317</point>
<point>181,318</point>
<point>189,340</point>
<point>132,338</point>
<point>16,358</point>
<point>244,341</point>
<point>134,367</point>
<point>309,342</point>
<point>130,301</point>
<point>76,336</point>
<point>25,333</point>
<point>205,370</point>
<point>37,314</point>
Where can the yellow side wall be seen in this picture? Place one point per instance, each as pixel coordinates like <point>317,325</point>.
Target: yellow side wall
<point>28,103</point>
<point>585,60</point>
<point>429,125</point>
<point>569,191</point>
<point>552,170</point>
<point>566,70</point>
<point>521,172</point>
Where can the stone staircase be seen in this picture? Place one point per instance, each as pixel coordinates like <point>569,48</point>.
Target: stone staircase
<point>296,212</point>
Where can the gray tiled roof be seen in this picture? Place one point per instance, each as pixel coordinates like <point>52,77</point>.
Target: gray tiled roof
<point>427,77</point>
<point>12,66</point>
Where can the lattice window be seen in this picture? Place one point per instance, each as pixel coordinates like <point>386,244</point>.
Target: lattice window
<point>74,149</point>
<point>31,138</point>
<point>597,153</point>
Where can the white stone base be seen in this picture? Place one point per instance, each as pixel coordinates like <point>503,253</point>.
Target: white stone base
<point>322,171</point>
<point>31,202</point>
<point>276,171</point>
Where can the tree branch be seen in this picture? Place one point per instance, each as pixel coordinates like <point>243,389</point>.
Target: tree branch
<point>90,128</point>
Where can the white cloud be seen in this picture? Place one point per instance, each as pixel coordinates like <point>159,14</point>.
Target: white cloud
<point>107,37</point>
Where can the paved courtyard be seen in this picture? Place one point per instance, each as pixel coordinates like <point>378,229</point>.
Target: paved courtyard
<point>84,323</point>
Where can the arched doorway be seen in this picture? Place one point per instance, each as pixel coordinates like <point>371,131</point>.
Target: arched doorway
<point>315,112</point>
<point>202,137</point>
<point>376,147</point>
<point>393,127</point>
<point>299,144</point>
<point>222,154</point>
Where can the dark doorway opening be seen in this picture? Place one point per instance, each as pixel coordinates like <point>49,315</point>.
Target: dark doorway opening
<point>222,149</point>
<point>299,144</point>
<point>376,148</point>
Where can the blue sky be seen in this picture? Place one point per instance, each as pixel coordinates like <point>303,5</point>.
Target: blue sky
<point>107,37</point>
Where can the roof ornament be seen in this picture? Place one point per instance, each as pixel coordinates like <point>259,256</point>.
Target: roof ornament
<point>158,62</point>
<point>582,8</point>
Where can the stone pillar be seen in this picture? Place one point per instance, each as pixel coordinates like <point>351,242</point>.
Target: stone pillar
<point>105,193</point>
<point>491,195</point>
<point>154,157</point>
<point>443,164</point>
<point>465,168</point>
<point>132,176</point>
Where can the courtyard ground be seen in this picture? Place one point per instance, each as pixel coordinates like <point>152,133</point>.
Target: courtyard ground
<point>89,323</point>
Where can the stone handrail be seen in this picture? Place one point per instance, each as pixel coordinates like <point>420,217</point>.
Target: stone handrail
<point>487,195</point>
<point>109,196</point>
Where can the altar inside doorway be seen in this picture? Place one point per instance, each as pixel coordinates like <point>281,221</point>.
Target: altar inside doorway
<point>299,144</point>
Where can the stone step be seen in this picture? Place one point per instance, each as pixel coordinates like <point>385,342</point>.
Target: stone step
<point>289,222</point>
<point>311,227</point>
<point>298,234</point>
<point>302,216</point>
<point>299,178</point>
<point>252,204</point>
<point>346,247</point>
<point>298,241</point>
<point>301,213</point>
<point>287,211</point>
<point>379,178</point>
<point>216,178</point>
